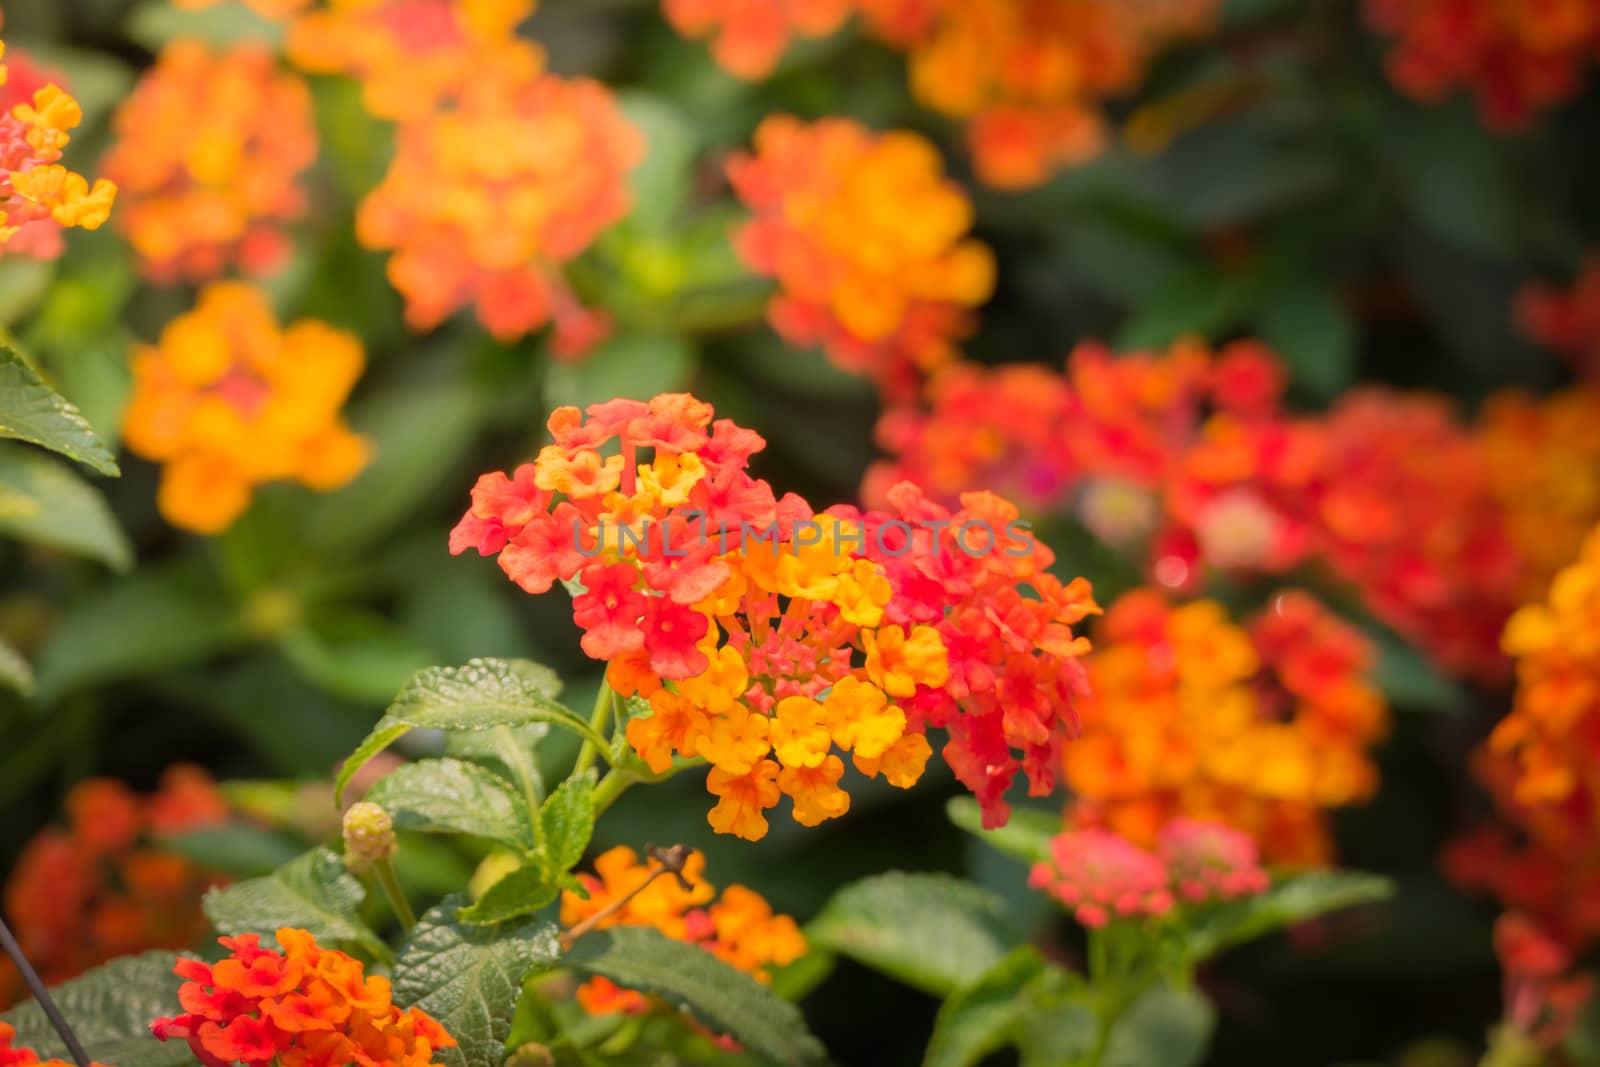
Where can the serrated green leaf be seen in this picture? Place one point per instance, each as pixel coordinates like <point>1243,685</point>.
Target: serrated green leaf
<point>15,673</point>
<point>1290,900</point>
<point>931,931</point>
<point>312,892</point>
<point>1165,1026</point>
<point>482,694</point>
<point>31,411</point>
<point>567,818</point>
<point>452,796</point>
<point>981,1018</point>
<point>110,1009</point>
<point>1026,835</point>
<point>722,997</point>
<point>44,501</point>
<point>469,978</point>
<point>153,619</point>
<point>519,893</point>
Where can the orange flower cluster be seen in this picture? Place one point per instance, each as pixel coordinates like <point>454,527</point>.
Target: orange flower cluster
<point>739,927</point>
<point>1519,58</point>
<point>410,56</point>
<point>227,400</point>
<point>21,82</point>
<point>101,886</point>
<point>764,635</point>
<point>868,242</point>
<point>1566,321</point>
<point>1260,728</point>
<point>749,36</point>
<point>1190,458</point>
<point>306,1006</point>
<point>209,148</point>
<point>1544,994</point>
<point>37,193</point>
<point>486,200</point>
<point>11,1056</point>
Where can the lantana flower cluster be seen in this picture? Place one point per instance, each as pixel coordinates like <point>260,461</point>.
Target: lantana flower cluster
<point>14,1056</point>
<point>209,151</point>
<point>738,926</point>
<point>1544,993</point>
<point>411,56</point>
<point>764,635</point>
<point>36,190</point>
<point>1518,59</point>
<point>868,241</point>
<point>306,1006</point>
<point>227,400</point>
<point>748,37</point>
<point>1190,459</point>
<point>489,198</point>
<point>21,81</point>
<point>102,885</point>
<point>1566,319</point>
<point>1099,875</point>
<point>1262,728</point>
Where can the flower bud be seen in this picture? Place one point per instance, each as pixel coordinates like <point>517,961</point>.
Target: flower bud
<point>368,836</point>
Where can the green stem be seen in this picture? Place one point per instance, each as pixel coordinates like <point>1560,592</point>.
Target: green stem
<point>396,896</point>
<point>621,779</point>
<point>599,720</point>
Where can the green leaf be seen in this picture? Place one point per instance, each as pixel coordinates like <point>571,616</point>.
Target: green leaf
<point>1166,1026</point>
<point>1409,680</point>
<point>1060,1032</point>
<point>567,820</point>
<point>32,411</point>
<point>155,22</point>
<point>151,620</point>
<point>15,673</point>
<point>313,892</point>
<point>981,1018</point>
<point>931,931</point>
<point>23,282</point>
<point>236,849</point>
<point>355,655</point>
<point>469,978</point>
<point>661,183</point>
<point>1205,304</point>
<point>483,694</point>
<point>636,366</point>
<point>110,1009</point>
<point>1026,835</point>
<point>521,892</point>
<point>1290,900</point>
<point>723,998</point>
<point>44,501</point>
<point>452,796</point>
<point>1307,324</point>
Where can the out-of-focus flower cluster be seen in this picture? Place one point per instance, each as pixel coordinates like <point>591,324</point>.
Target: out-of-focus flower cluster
<point>1098,875</point>
<point>868,242</point>
<point>228,400</point>
<point>738,927</point>
<point>209,152</point>
<point>102,885</point>
<point>487,199</point>
<point>306,1006</point>
<point>1543,996</point>
<point>14,1056</point>
<point>1029,78</point>
<point>1519,58</point>
<point>764,634</point>
<point>1567,320</point>
<point>37,194</point>
<point>1189,459</point>
<point>1262,728</point>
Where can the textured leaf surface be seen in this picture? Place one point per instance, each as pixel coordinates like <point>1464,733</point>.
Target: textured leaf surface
<point>931,931</point>
<point>483,694</point>
<point>520,893</point>
<point>312,892</point>
<point>469,978</point>
<point>454,796</point>
<point>567,819</point>
<point>32,411</point>
<point>722,997</point>
<point>110,1009</point>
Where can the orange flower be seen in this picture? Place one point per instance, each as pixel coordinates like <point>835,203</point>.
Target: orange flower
<point>1566,321</point>
<point>100,887</point>
<point>1259,729</point>
<point>304,1007</point>
<point>11,1056</point>
<point>36,192</point>
<point>209,149</point>
<point>487,200</point>
<point>411,55</point>
<point>868,242</point>
<point>751,35</point>
<point>739,928</point>
<point>227,400</point>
